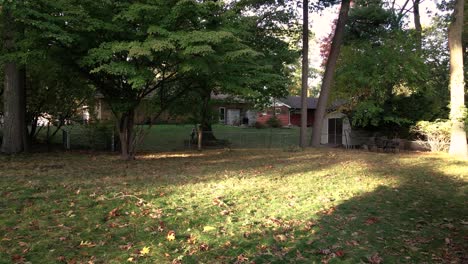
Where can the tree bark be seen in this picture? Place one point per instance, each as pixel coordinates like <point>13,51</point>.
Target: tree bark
<point>206,117</point>
<point>13,140</point>
<point>329,72</point>
<point>127,135</point>
<point>417,23</point>
<point>305,73</point>
<point>14,134</point>
<point>458,144</point>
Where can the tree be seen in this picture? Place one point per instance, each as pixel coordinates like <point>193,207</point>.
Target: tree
<point>305,73</point>
<point>417,23</point>
<point>329,73</point>
<point>254,66</point>
<point>160,50</point>
<point>56,91</point>
<point>389,82</point>
<point>31,30</point>
<point>458,143</point>
<point>14,103</point>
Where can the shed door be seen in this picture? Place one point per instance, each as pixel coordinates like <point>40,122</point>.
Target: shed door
<point>335,131</point>
<point>233,117</point>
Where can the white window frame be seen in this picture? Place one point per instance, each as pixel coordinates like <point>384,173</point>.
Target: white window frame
<point>222,119</point>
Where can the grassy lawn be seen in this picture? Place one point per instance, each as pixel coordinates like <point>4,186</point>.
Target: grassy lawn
<point>173,137</point>
<point>240,206</point>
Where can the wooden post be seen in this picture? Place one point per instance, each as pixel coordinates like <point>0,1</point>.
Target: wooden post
<point>200,136</point>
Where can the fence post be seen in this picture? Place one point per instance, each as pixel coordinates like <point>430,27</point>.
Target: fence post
<point>66,139</point>
<point>200,136</point>
<point>113,140</point>
<point>270,138</point>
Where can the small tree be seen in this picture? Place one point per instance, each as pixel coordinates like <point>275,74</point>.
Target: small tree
<point>436,134</point>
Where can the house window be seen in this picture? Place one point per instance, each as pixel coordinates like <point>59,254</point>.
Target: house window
<point>278,111</point>
<point>222,115</point>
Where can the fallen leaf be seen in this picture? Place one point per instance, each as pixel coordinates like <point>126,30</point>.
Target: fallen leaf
<point>18,259</point>
<point>448,241</point>
<point>192,239</point>
<point>375,259</point>
<point>86,244</point>
<point>208,228</point>
<point>371,220</point>
<point>22,244</point>
<point>203,247</point>
<point>126,247</point>
<point>241,259</point>
<point>144,251</point>
<point>171,236</point>
<point>113,213</point>
<point>280,238</point>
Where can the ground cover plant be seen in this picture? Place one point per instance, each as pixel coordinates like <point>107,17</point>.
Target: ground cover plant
<point>233,206</point>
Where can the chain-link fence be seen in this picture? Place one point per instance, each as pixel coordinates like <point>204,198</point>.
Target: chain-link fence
<point>177,137</point>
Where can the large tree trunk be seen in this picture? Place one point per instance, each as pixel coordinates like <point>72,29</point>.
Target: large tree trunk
<point>14,119</point>
<point>127,135</point>
<point>305,73</point>
<point>14,132</point>
<point>458,144</point>
<point>206,118</point>
<point>329,72</point>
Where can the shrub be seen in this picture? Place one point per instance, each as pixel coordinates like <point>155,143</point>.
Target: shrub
<point>274,122</point>
<point>436,134</point>
<point>259,125</point>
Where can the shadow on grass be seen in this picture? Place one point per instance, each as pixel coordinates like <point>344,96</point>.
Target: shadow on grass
<point>422,220</point>
<point>416,215</point>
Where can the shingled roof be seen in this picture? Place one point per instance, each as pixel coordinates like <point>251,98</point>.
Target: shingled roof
<point>295,102</point>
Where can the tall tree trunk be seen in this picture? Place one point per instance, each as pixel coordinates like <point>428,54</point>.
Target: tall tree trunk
<point>417,23</point>
<point>14,137</point>
<point>458,144</point>
<point>305,73</point>
<point>13,141</point>
<point>329,72</point>
<point>127,135</point>
<point>206,116</point>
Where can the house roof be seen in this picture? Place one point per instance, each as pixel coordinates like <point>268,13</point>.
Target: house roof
<point>295,102</point>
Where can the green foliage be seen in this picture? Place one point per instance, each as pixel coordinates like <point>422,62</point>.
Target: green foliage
<point>386,80</point>
<point>274,122</point>
<point>259,125</point>
<point>436,134</point>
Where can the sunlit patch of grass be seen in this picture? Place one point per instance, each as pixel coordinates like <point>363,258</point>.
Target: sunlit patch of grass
<point>225,206</point>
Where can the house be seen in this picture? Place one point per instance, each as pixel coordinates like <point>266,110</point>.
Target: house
<point>233,111</point>
<point>335,128</point>
<point>295,105</point>
<point>279,110</point>
<point>335,125</point>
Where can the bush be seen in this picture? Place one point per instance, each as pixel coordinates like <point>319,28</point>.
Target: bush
<point>274,122</point>
<point>259,125</point>
<point>436,134</point>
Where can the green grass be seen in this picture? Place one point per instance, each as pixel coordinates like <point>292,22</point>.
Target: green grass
<point>174,137</point>
<point>240,206</point>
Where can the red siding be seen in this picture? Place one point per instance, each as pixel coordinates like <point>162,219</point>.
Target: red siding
<point>296,118</point>
<point>283,116</point>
